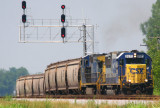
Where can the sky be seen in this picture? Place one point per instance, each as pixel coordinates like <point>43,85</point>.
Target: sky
<point>118,29</point>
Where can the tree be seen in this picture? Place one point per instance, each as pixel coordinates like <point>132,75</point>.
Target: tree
<point>151,30</point>
<point>8,79</point>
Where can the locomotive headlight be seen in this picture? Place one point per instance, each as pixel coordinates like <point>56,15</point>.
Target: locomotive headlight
<point>135,55</point>
<point>146,80</point>
<point>129,80</point>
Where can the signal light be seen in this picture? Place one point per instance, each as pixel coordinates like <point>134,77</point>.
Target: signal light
<point>24,18</point>
<point>63,6</point>
<point>62,18</point>
<point>63,32</point>
<point>23,4</point>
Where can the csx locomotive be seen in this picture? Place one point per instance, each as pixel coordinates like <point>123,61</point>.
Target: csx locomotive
<point>113,73</point>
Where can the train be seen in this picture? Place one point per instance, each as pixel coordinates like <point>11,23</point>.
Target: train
<point>120,72</point>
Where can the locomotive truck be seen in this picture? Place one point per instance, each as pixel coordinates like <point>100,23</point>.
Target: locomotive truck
<point>127,72</point>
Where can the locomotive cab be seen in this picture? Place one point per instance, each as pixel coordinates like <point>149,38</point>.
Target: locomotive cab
<point>134,71</point>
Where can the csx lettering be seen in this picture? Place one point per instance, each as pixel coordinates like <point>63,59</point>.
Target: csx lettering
<point>136,70</point>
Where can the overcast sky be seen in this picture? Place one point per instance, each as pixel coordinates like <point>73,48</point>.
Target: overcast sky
<point>118,29</point>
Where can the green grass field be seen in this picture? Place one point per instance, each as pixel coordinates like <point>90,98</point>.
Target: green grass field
<point>8,102</point>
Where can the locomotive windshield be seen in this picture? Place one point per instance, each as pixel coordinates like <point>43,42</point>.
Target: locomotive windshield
<point>134,61</point>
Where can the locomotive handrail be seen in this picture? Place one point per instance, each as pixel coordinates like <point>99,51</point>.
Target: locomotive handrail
<point>98,81</point>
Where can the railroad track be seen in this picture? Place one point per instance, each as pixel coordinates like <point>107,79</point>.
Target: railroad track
<point>111,97</point>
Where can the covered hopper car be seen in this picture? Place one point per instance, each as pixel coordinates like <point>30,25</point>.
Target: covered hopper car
<point>30,85</point>
<point>113,73</point>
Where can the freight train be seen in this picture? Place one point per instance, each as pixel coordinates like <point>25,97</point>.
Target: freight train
<point>125,72</point>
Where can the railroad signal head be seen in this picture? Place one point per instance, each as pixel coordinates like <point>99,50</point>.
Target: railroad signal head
<point>23,4</point>
<point>62,18</point>
<point>63,6</point>
<point>63,32</point>
<point>24,18</point>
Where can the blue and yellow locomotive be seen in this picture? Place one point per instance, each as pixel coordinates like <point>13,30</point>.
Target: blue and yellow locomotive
<point>117,72</point>
<point>135,73</point>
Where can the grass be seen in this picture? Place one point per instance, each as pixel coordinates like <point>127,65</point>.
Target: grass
<point>8,102</point>
<point>156,92</point>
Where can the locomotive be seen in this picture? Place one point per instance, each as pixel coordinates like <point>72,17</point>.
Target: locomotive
<point>127,72</point>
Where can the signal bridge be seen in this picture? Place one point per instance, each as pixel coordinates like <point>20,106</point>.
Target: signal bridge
<point>49,31</point>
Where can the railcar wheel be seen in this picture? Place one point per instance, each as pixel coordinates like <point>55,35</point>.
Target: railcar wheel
<point>138,92</point>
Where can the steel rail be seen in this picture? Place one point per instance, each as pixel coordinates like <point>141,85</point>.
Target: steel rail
<point>111,97</point>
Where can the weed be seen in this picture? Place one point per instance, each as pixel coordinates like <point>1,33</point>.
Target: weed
<point>8,98</point>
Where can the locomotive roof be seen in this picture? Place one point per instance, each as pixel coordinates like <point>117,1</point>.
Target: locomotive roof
<point>131,52</point>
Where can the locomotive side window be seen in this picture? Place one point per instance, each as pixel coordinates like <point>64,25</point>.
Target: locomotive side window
<point>86,62</point>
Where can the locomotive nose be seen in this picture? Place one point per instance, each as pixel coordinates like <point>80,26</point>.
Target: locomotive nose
<point>136,73</point>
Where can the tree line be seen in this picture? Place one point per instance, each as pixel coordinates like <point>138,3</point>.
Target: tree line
<point>151,30</point>
<point>8,79</point>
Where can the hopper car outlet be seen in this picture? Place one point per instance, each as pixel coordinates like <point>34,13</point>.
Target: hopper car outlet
<point>109,74</point>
